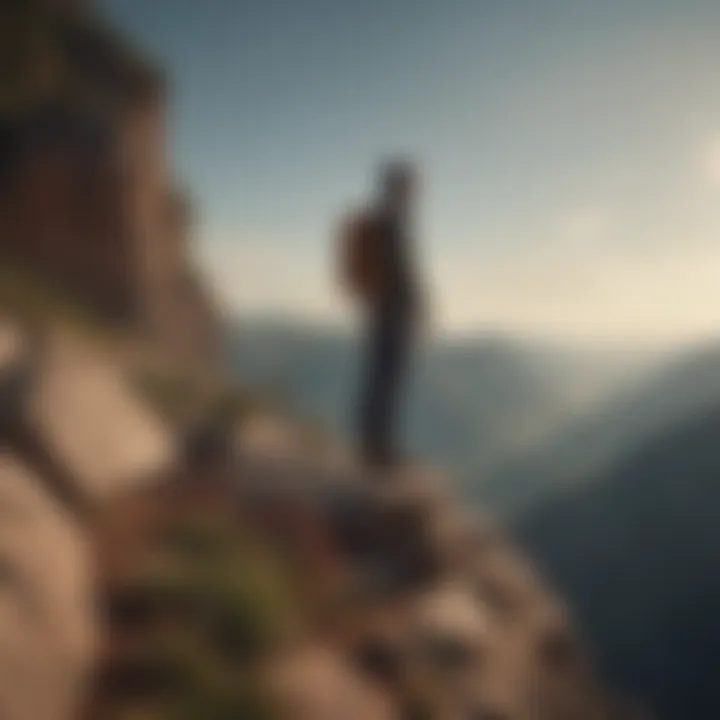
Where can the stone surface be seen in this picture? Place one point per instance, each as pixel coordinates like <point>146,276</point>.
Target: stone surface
<point>474,633</point>
<point>102,222</point>
<point>317,684</point>
<point>11,344</point>
<point>268,437</point>
<point>14,372</point>
<point>451,617</point>
<point>47,624</point>
<point>85,416</point>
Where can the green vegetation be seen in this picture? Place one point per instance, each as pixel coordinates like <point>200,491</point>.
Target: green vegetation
<point>24,294</point>
<point>237,588</point>
<point>169,395</point>
<point>192,631</point>
<point>179,399</point>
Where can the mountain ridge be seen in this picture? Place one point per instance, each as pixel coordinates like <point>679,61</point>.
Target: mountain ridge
<point>641,574</point>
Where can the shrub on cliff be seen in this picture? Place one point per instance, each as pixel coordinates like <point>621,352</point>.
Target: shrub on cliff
<point>198,607</point>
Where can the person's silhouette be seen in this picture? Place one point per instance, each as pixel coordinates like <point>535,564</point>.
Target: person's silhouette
<point>392,306</point>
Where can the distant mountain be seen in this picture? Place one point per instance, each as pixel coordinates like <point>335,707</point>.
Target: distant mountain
<point>589,444</point>
<point>636,554</point>
<point>309,369</point>
<point>473,404</point>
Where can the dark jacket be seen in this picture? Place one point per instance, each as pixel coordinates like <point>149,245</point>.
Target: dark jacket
<point>399,293</point>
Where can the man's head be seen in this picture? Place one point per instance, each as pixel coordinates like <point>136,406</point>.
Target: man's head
<point>398,181</point>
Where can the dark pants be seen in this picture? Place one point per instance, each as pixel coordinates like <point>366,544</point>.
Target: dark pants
<point>387,351</point>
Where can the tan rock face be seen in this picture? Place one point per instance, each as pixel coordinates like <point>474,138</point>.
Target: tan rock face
<point>457,624</point>
<point>451,624</point>
<point>47,622</point>
<point>11,345</point>
<point>317,684</point>
<point>12,372</point>
<point>442,616</point>
<point>101,436</point>
<point>97,217</point>
<point>269,437</point>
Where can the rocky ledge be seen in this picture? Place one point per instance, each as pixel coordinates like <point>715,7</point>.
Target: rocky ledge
<point>409,607</point>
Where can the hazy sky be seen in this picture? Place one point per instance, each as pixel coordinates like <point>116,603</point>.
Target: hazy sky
<point>570,151</point>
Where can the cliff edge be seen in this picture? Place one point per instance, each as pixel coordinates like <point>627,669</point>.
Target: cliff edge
<point>272,580</point>
<point>88,199</point>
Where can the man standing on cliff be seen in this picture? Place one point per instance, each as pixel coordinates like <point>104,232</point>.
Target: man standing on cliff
<point>379,270</point>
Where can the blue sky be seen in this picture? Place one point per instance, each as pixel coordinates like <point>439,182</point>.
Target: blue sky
<point>570,151</point>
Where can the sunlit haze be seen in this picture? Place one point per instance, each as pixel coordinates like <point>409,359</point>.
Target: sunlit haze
<point>570,152</point>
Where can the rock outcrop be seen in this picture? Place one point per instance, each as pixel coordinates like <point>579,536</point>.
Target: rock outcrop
<point>72,437</point>
<point>413,607</point>
<point>101,437</point>
<point>47,614</point>
<point>71,410</point>
<point>451,619</point>
<point>87,197</point>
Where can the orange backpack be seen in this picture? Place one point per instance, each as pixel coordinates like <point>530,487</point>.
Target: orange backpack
<point>360,263</point>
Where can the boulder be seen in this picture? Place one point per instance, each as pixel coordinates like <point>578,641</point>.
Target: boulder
<point>83,414</point>
<point>451,627</point>
<point>47,622</point>
<point>317,684</point>
<point>11,344</point>
<point>269,437</point>
<point>508,585</point>
<point>14,372</point>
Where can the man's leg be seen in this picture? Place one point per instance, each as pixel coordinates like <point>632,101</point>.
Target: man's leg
<point>384,369</point>
<point>371,392</point>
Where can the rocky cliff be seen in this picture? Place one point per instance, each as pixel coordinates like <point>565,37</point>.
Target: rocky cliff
<point>88,200</point>
<point>241,570</point>
<point>274,580</point>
